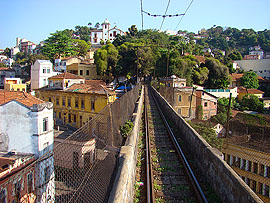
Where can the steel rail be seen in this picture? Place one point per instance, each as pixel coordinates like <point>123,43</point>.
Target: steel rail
<point>149,175</point>
<point>192,178</point>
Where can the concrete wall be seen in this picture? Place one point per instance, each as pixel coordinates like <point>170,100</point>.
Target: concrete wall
<point>123,188</point>
<point>223,179</point>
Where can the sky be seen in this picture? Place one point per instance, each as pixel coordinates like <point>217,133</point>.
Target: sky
<point>36,19</point>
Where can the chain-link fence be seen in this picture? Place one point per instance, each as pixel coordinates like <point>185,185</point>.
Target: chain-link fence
<point>80,167</point>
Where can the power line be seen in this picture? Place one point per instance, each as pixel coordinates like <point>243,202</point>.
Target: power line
<point>165,14</point>
<point>142,13</point>
<point>184,14</point>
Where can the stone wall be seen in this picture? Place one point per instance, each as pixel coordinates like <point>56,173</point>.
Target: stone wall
<point>222,178</point>
<point>123,188</point>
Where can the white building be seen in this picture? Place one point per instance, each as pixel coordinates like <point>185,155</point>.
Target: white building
<point>223,92</point>
<point>27,126</point>
<point>40,72</point>
<point>256,51</point>
<point>260,67</point>
<point>105,33</point>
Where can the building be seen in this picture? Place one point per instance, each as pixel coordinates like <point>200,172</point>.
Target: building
<point>266,102</point>
<point>83,69</point>
<point>260,67</point>
<point>16,181</point>
<point>14,84</point>
<point>208,104</point>
<point>253,57</point>
<point>256,50</point>
<point>182,98</point>
<point>247,151</point>
<point>249,157</point>
<point>242,91</point>
<point>220,93</point>
<point>40,72</point>
<point>105,33</point>
<point>5,72</point>
<point>236,79</point>
<point>33,119</point>
<point>60,65</point>
<point>75,99</point>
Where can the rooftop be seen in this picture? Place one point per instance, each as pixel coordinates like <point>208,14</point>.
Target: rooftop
<point>66,75</point>
<point>22,97</point>
<point>248,91</point>
<point>237,76</point>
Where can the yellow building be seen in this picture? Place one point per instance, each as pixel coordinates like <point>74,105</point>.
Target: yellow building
<point>76,103</point>
<point>182,98</point>
<point>244,91</point>
<point>83,69</point>
<point>249,156</point>
<point>14,84</point>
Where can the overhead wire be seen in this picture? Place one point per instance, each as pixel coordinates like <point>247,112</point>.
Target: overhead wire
<point>142,13</point>
<point>183,15</point>
<point>165,14</point>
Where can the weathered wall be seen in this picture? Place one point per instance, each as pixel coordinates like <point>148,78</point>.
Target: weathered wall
<point>223,179</point>
<point>123,188</point>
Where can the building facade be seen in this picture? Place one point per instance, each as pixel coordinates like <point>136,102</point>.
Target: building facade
<point>105,33</point>
<point>78,101</point>
<point>40,72</point>
<point>83,69</point>
<point>33,118</point>
<point>14,84</point>
<point>5,73</point>
<point>207,103</point>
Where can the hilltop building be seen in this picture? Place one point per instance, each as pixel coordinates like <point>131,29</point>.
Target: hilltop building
<point>105,33</point>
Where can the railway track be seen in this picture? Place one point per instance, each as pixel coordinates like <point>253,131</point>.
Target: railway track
<point>169,177</point>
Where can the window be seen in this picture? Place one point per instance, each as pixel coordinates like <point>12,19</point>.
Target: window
<point>110,34</point>
<point>74,118</point>
<point>268,171</point>
<point>80,120</point>
<point>29,183</point>
<point>255,167</point>
<point>87,72</point>
<point>23,89</point>
<point>44,70</point>
<point>60,115</point>
<point>114,33</point>
<point>50,99</point>
<point>63,101</point>
<point>48,70</point>
<point>69,118</point>
<point>254,185</point>
<point>45,124</point>
<point>93,105</point>
<point>69,102</point>
<point>179,98</point>
<point>57,101</point>
<point>260,188</point>
<point>261,169</point>
<point>17,189</point>
<point>46,174</point>
<point>46,146</point>
<point>179,111</point>
<point>76,102</point>
<point>82,103</point>
<point>189,98</point>
<point>205,104</point>
<point>249,165</point>
<point>81,72</point>
<point>44,82</point>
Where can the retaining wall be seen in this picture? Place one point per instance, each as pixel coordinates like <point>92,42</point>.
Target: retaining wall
<point>123,188</point>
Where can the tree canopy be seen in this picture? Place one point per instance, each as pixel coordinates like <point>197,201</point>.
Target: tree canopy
<point>249,80</point>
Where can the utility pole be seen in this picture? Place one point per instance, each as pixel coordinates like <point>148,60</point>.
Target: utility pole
<point>228,115</point>
<point>168,62</point>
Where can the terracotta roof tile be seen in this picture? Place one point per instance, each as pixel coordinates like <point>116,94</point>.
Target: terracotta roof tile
<point>66,75</point>
<point>5,68</point>
<point>249,91</point>
<point>93,86</point>
<point>22,97</point>
<point>237,76</point>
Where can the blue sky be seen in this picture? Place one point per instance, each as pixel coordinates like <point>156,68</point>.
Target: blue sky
<point>36,19</point>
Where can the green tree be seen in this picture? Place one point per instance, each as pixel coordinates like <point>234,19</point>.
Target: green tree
<point>106,59</point>
<point>252,103</point>
<point>33,57</point>
<point>7,52</point>
<point>82,47</point>
<point>218,76</point>
<point>249,80</point>
<point>200,75</point>
<point>59,44</point>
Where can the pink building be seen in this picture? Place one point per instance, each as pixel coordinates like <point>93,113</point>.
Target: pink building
<point>208,102</point>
